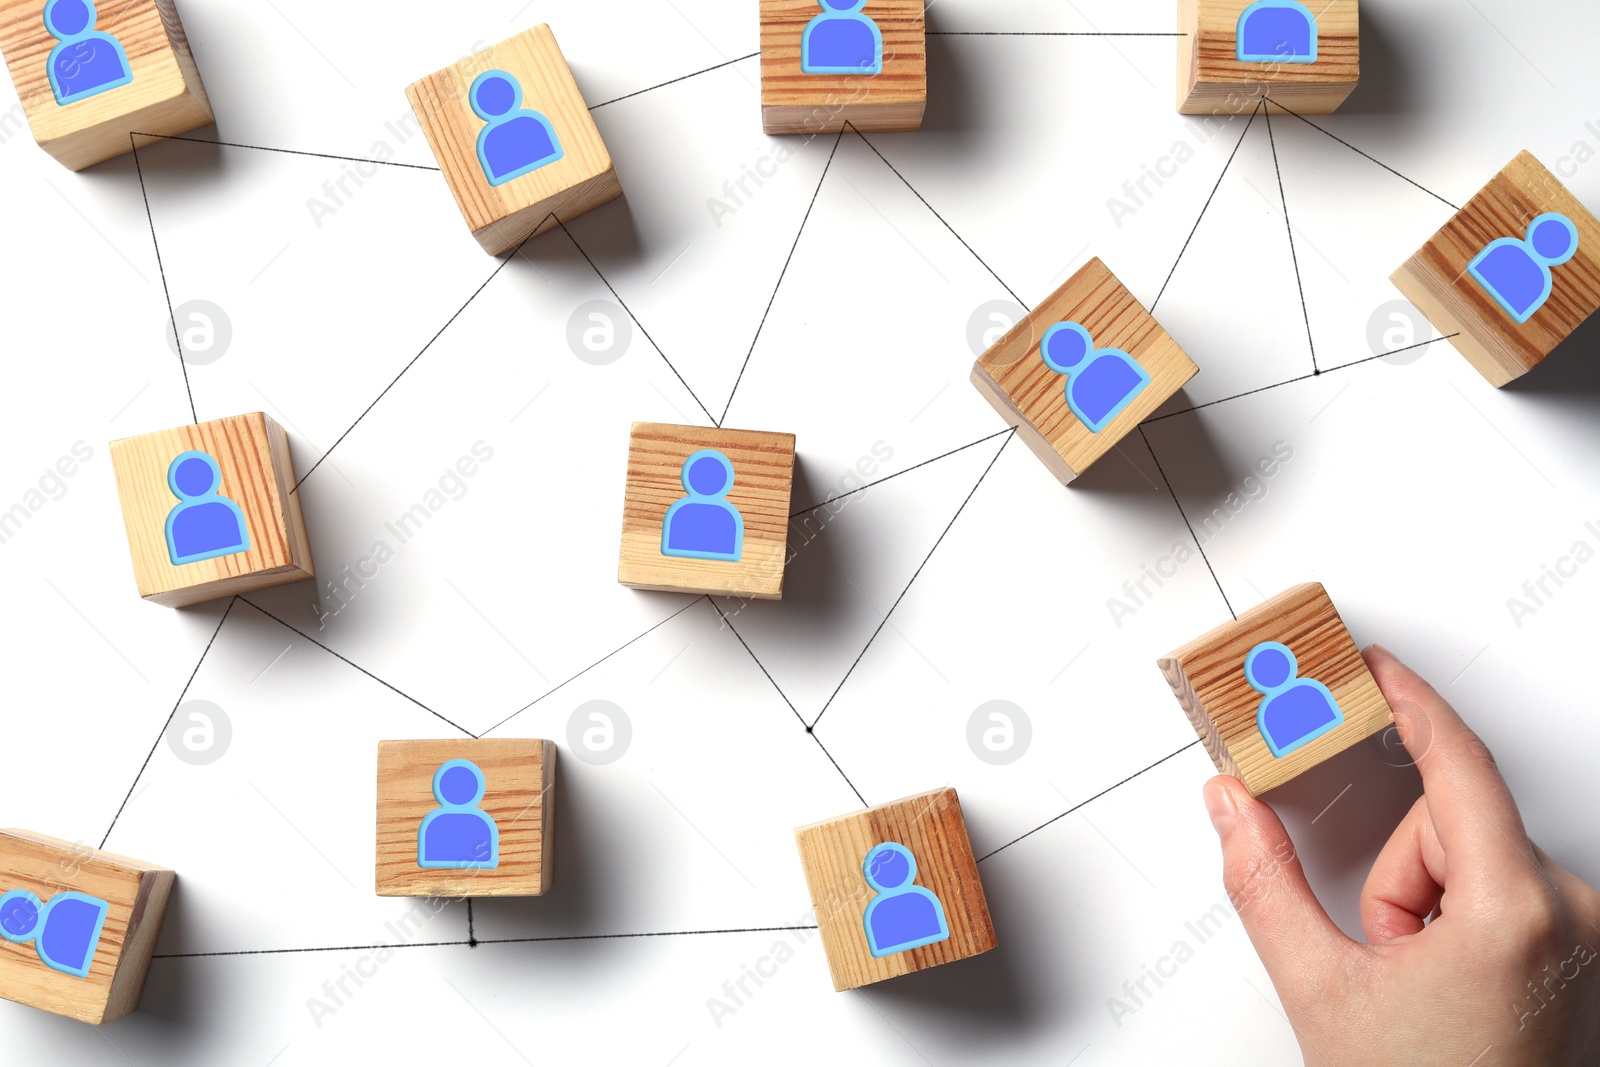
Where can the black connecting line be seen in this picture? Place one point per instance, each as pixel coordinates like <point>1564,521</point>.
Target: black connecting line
<point>287,151</point>
<point>164,726</point>
<point>1294,256</point>
<point>368,410</point>
<point>1187,524</point>
<point>1084,803</point>
<point>1364,155</point>
<point>172,316</point>
<point>781,275</point>
<point>472,940</point>
<point>392,688</point>
<point>1207,205</point>
<point>673,81</point>
<point>809,728</point>
<point>557,688</point>
<point>1043,33</point>
<point>917,574</point>
<point>612,290</point>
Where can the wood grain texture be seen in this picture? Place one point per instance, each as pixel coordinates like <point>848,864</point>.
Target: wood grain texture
<point>832,854</point>
<point>1030,396</point>
<point>1211,80</point>
<point>137,893</point>
<point>1437,282</point>
<point>502,217</point>
<point>763,475</point>
<point>165,96</point>
<point>520,798</point>
<point>257,474</point>
<point>796,102</point>
<point>1207,675</point>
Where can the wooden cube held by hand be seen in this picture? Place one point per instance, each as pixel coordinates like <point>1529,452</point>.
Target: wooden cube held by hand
<point>1279,690</point>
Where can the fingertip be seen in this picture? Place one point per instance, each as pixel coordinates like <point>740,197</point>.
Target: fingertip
<point>1221,804</point>
<point>1397,681</point>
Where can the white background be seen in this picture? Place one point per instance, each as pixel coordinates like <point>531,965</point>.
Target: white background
<point>1422,497</point>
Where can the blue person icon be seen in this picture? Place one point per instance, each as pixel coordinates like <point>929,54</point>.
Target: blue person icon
<point>87,61</point>
<point>1294,711</point>
<point>65,931</point>
<point>1277,31</point>
<point>1100,382</point>
<point>517,140</point>
<point>1516,270</point>
<point>901,916</point>
<point>204,525</point>
<point>841,40</point>
<point>703,525</point>
<point>458,835</point>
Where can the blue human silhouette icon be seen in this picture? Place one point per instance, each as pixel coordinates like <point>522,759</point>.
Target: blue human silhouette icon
<point>703,525</point>
<point>1516,270</point>
<point>516,140</point>
<point>841,40</point>
<point>458,835</point>
<point>86,61</point>
<point>65,930</point>
<point>1277,31</point>
<point>204,525</point>
<point>1294,711</point>
<point>901,915</point>
<point>1101,382</point>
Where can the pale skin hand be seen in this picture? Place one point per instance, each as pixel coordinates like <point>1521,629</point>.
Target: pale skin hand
<point>1507,974</point>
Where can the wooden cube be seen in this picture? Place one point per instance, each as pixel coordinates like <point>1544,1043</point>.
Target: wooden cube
<point>1278,691</point>
<point>685,529</point>
<point>1233,52</point>
<point>92,915</point>
<point>927,895</point>
<point>112,68</point>
<point>243,533</point>
<point>1440,280</point>
<point>515,140</point>
<point>465,818</point>
<point>821,66</point>
<point>1069,428</point>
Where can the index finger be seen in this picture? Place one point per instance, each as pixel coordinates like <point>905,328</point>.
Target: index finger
<point>1474,813</point>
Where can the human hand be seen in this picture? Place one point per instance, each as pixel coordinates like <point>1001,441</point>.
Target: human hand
<point>1507,973</point>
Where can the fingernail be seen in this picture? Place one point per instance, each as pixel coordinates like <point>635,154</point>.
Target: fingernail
<point>1219,805</point>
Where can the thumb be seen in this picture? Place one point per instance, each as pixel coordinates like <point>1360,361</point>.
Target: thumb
<point>1296,940</point>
